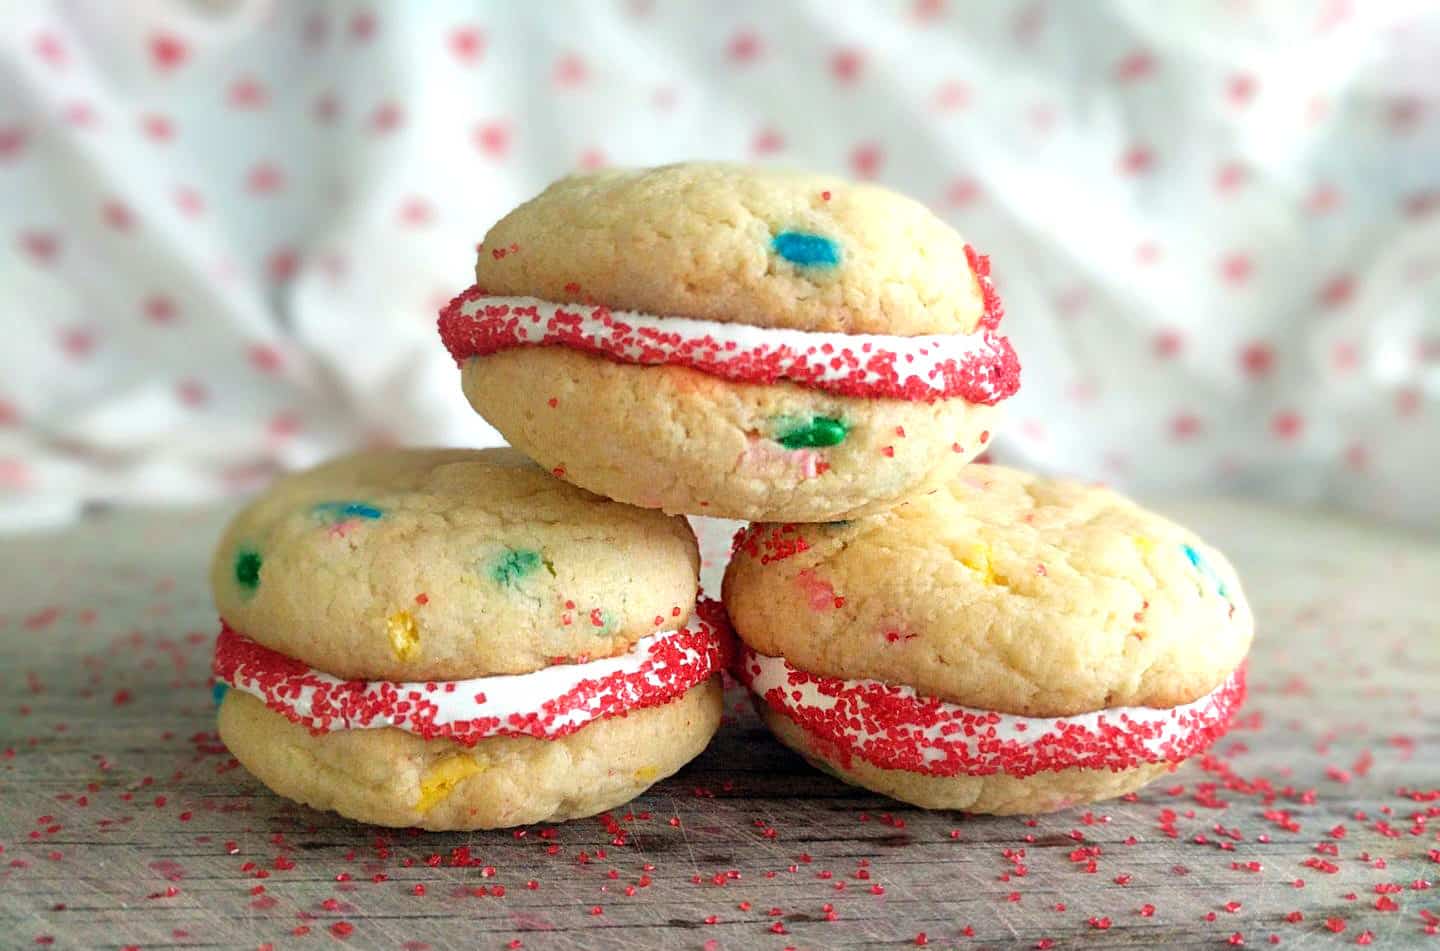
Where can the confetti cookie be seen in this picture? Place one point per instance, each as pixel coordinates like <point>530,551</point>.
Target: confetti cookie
<point>728,341</point>
<point>454,639</point>
<point>1004,644</point>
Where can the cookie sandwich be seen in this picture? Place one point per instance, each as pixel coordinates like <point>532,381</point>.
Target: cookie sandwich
<point>453,639</point>
<point>1005,644</point>
<point>721,340</point>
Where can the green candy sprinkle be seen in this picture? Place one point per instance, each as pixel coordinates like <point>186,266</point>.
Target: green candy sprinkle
<point>516,563</point>
<point>819,431</point>
<point>247,568</point>
<point>601,622</point>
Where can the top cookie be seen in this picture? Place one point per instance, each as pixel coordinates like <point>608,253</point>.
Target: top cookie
<point>737,244</point>
<point>1000,591</point>
<point>422,565</point>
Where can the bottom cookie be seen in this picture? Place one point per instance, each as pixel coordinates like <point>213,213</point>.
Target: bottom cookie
<point>680,440</point>
<point>996,794</point>
<point>389,777</point>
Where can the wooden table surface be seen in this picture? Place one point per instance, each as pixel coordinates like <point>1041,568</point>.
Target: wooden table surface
<point>1316,823</point>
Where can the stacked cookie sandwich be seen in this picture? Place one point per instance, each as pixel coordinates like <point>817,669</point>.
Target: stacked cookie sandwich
<point>818,357</point>
<point>455,639</point>
<point>1003,644</point>
<point>718,340</point>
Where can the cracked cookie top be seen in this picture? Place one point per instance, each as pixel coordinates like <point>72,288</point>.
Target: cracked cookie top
<point>740,244</point>
<point>417,565</point>
<point>1001,591</point>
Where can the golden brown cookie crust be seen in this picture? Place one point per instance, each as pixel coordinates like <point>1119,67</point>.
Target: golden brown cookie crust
<point>392,778</point>
<point>679,440</point>
<point>697,240</point>
<point>416,565</point>
<point>1000,591</point>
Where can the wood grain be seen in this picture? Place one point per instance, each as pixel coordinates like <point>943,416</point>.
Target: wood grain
<point>124,822</point>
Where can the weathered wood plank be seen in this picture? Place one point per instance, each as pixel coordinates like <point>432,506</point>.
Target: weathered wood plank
<point>124,822</point>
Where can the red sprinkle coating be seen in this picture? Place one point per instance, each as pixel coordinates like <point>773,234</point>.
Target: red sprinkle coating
<point>994,310</point>
<point>894,728</point>
<point>984,374</point>
<point>674,665</point>
<point>769,542</point>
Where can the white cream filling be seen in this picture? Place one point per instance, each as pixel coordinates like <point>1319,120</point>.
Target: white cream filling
<point>505,695</point>
<point>918,357</point>
<point>1171,722</point>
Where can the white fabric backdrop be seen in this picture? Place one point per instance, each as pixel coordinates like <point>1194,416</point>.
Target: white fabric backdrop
<point>227,226</point>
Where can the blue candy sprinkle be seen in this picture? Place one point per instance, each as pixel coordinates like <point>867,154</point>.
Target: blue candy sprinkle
<point>344,510</point>
<point>218,692</point>
<point>1203,566</point>
<point>806,250</point>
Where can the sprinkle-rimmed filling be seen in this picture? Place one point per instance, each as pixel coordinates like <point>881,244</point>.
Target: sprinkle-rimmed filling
<point>546,704</point>
<point>978,368</point>
<point>893,727</point>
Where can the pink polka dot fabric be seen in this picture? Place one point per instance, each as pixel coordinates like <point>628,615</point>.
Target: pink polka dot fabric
<point>229,226</point>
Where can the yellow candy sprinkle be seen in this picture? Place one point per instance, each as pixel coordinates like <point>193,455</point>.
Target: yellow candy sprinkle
<point>646,773</point>
<point>978,559</point>
<point>442,778</point>
<point>404,633</point>
<point>1145,544</point>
